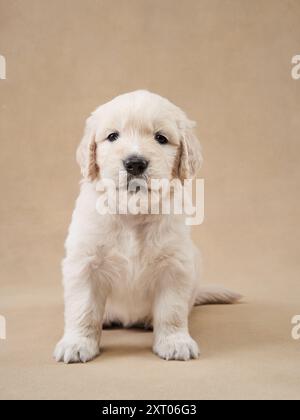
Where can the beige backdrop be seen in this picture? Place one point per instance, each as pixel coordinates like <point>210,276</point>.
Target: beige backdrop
<point>228,64</point>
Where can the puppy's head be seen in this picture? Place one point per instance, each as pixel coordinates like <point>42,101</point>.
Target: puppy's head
<point>139,135</point>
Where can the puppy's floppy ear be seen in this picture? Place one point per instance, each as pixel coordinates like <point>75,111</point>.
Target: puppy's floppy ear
<point>86,152</point>
<point>191,156</point>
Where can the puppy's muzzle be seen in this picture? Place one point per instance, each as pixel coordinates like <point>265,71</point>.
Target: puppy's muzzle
<point>135,165</point>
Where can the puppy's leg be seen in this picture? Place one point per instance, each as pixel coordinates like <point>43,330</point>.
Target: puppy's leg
<point>86,290</point>
<point>172,340</point>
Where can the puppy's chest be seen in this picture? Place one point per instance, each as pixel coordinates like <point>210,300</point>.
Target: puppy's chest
<point>137,256</point>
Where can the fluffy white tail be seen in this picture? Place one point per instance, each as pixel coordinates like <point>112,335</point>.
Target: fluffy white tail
<point>216,295</point>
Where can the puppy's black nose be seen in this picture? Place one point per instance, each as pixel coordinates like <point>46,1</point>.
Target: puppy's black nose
<point>135,165</point>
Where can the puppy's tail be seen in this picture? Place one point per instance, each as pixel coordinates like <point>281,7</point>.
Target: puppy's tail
<point>212,295</point>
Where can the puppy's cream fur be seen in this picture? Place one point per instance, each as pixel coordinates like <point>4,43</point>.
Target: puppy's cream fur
<point>129,269</point>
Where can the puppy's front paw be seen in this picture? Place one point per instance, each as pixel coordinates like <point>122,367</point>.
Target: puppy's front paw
<point>178,346</point>
<point>76,349</point>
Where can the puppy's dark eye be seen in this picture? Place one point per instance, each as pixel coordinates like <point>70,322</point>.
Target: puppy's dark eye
<point>113,136</point>
<point>161,139</point>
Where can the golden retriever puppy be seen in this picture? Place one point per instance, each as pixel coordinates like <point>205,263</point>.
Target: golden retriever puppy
<point>133,269</point>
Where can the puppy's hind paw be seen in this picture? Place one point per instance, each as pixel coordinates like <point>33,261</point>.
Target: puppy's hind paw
<point>178,346</point>
<point>76,349</point>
